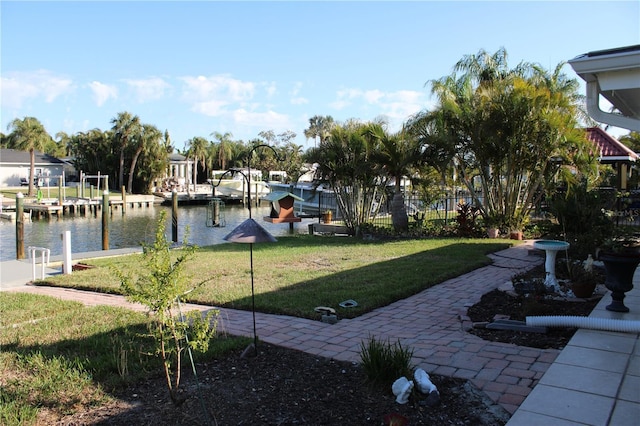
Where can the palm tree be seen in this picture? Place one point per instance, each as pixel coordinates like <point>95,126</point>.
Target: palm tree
<point>93,152</point>
<point>506,127</point>
<point>30,135</point>
<point>345,163</point>
<point>319,128</point>
<point>62,149</point>
<point>223,148</point>
<point>166,142</point>
<point>149,137</point>
<point>397,154</point>
<point>126,128</point>
<point>291,155</point>
<point>198,148</point>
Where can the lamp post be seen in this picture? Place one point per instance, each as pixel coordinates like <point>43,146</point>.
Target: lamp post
<point>250,232</point>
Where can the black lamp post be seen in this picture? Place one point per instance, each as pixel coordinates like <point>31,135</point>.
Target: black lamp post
<point>250,232</point>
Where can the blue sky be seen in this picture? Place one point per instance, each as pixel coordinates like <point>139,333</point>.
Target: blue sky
<point>194,68</point>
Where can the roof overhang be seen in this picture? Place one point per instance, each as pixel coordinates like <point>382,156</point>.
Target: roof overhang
<point>614,74</point>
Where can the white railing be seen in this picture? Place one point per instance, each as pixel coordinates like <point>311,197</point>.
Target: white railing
<point>33,252</point>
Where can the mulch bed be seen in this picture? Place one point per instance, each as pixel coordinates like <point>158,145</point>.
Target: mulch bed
<point>286,387</point>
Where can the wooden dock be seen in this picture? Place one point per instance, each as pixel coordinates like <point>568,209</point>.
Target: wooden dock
<point>48,208</point>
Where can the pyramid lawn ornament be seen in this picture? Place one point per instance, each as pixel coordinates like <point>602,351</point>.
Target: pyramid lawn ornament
<point>251,232</point>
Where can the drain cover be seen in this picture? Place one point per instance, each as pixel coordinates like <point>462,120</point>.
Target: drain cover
<point>348,303</point>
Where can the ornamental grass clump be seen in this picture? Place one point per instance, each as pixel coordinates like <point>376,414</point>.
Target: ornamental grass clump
<point>383,362</point>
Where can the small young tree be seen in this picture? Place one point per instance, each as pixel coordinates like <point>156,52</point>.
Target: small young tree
<point>162,287</point>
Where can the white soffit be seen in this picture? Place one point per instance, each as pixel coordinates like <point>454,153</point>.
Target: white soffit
<point>615,75</point>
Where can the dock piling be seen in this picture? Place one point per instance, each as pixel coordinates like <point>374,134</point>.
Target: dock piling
<point>19,226</point>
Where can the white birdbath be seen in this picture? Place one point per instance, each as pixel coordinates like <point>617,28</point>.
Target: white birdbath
<point>551,247</point>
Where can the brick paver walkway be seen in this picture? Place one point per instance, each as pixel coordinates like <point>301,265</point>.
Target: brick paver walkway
<point>431,323</point>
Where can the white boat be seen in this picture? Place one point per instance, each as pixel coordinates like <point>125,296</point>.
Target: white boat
<point>233,186</point>
<point>316,198</point>
<point>186,192</point>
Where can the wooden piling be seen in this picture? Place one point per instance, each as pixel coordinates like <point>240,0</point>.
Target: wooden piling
<point>174,216</point>
<point>19,226</point>
<point>105,220</point>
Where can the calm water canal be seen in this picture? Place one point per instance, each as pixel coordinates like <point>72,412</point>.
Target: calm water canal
<point>134,227</point>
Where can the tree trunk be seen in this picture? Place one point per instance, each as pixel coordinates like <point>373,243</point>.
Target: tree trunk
<point>133,167</point>
<point>121,169</point>
<point>32,171</point>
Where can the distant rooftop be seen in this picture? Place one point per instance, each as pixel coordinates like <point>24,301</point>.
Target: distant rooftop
<point>14,156</point>
<point>610,149</point>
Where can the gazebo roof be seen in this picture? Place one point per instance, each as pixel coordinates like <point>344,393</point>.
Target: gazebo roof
<point>609,148</point>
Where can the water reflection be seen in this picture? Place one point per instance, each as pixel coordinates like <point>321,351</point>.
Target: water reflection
<point>131,229</point>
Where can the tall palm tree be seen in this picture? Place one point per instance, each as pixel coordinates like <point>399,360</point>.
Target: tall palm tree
<point>223,148</point>
<point>319,128</point>
<point>166,142</point>
<point>198,148</point>
<point>126,128</point>
<point>30,135</point>
<point>148,138</point>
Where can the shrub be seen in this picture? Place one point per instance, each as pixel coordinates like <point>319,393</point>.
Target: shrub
<point>384,362</point>
<point>467,215</point>
<point>161,288</point>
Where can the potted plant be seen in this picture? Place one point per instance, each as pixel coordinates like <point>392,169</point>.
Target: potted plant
<point>582,279</point>
<point>621,256</point>
<point>492,222</point>
<point>327,216</point>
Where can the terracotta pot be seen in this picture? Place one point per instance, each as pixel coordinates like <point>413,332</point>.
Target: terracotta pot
<point>516,235</point>
<point>327,217</point>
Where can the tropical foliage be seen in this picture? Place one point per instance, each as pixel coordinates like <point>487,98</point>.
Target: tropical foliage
<point>30,135</point>
<point>510,134</point>
<point>319,128</point>
<point>345,159</point>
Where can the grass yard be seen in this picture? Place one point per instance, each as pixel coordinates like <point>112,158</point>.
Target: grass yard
<point>298,273</point>
<point>58,357</point>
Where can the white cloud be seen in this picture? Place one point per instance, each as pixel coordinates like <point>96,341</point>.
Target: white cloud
<point>261,120</point>
<point>271,89</point>
<point>222,88</point>
<point>396,106</point>
<point>233,100</point>
<point>102,92</point>
<point>18,87</point>
<point>210,108</point>
<point>345,98</point>
<point>373,96</point>
<point>148,89</point>
<point>295,98</point>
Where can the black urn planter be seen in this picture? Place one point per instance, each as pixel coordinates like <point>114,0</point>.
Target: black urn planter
<point>620,269</point>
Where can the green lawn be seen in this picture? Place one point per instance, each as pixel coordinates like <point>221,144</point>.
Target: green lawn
<point>298,273</point>
<point>62,357</point>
